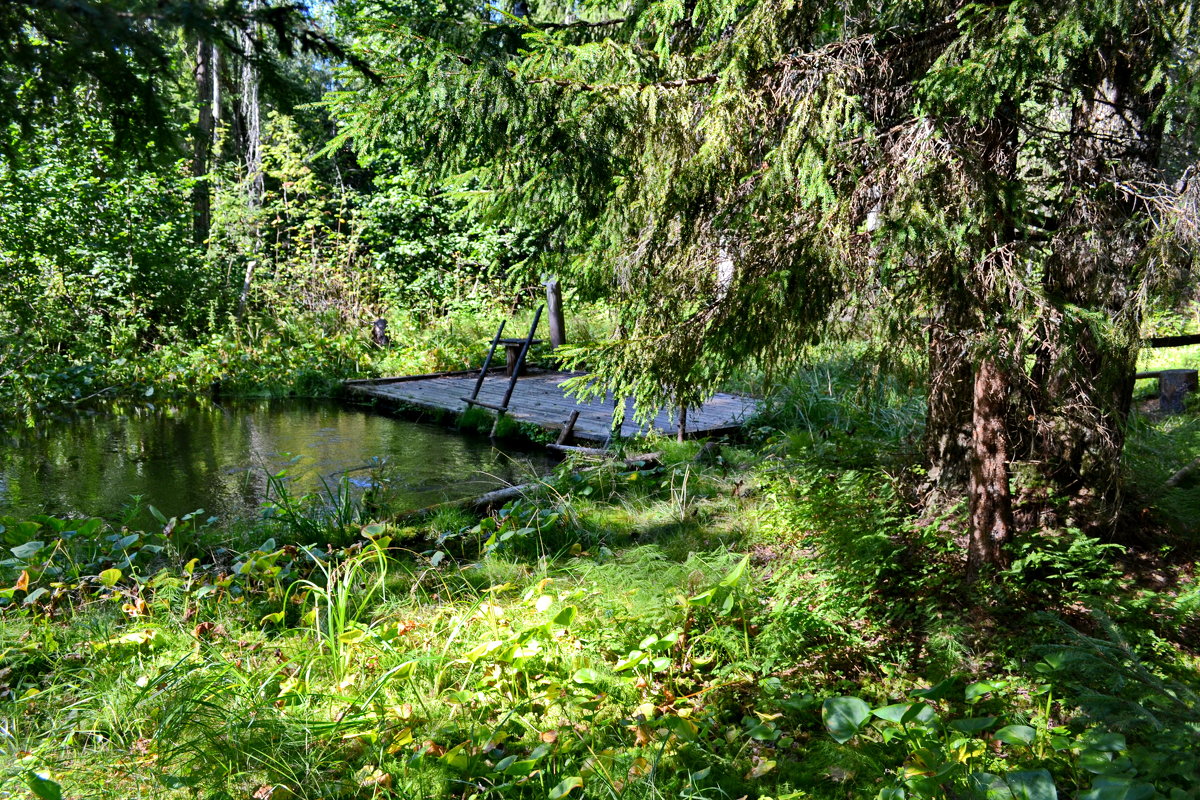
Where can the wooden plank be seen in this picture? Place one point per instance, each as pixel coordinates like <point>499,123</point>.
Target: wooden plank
<point>540,399</point>
<point>407,378</point>
<point>1173,341</point>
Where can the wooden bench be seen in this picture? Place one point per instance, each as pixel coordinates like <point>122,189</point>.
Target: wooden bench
<point>1173,387</point>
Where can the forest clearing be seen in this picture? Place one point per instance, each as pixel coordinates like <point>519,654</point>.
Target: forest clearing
<point>845,441</point>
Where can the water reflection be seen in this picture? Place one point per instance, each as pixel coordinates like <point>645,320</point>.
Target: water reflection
<point>218,457</point>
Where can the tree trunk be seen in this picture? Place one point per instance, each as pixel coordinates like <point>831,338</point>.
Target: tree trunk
<point>991,502</point>
<point>1090,337</point>
<point>948,404</point>
<point>251,123</point>
<point>205,75</point>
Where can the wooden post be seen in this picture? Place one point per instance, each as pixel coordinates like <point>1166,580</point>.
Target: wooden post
<point>487,362</point>
<point>379,333</point>
<point>512,383</point>
<point>1173,386</point>
<point>558,326</point>
<point>568,428</point>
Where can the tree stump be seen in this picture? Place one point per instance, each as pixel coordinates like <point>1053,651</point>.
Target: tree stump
<point>379,333</point>
<point>1173,387</point>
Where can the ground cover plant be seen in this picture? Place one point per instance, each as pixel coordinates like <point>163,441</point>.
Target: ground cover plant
<point>952,556</point>
<point>765,620</point>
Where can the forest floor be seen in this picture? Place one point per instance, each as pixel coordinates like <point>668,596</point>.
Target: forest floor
<point>766,619</point>
<point>761,621</point>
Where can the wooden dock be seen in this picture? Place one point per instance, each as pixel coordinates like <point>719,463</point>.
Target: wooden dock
<point>539,398</point>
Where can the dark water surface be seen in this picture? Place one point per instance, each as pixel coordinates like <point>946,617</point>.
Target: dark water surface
<point>218,456</point>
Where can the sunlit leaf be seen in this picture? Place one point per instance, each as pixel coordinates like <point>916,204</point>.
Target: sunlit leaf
<point>734,576</point>
<point>1015,734</point>
<point>844,716</point>
<point>42,785</point>
<point>564,788</point>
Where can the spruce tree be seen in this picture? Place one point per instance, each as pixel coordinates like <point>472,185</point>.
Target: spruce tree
<point>986,180</point>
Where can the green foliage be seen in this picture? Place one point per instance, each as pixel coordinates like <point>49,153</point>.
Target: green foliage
<point>946,753</point>
<point>121,54</point>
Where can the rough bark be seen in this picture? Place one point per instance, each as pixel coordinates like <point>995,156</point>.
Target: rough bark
<point>948,405</point>
<point>991,502</point>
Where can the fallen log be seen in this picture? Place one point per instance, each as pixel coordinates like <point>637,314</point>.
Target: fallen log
<point>1179,476</point>
<point>486,503</point>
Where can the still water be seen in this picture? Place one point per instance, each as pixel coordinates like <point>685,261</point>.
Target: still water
<point>218,456</point>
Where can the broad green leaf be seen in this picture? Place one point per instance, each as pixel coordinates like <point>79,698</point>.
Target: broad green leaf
<point>630,661</point>
<point>1015,734</point>
<point>763,733</point>
<point>564,788</point>
<point>976,691</point>
<point>1106,742</point>
<point>481,650</point>
<point>920,712</point>
<point>734,576</point>
<point>892,713</point>
<point>27,550</point>
<point>521,768</point>
<point>939,692</point>
<point>34,596</point>
<point>109,577</point>
<point>844,716</point>
<point>972,724</point>
<point>158,515</point>
<point>1105,788</point>
<point>1031,785</point>
<point>565,617</point>
<point>458,757</point>
<point>43,786</point>
<point>586,675</point>
<point>905,713</point>
<point>989,786</point>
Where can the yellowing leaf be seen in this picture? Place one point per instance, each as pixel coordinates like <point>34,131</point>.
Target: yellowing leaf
<point>564,788</point>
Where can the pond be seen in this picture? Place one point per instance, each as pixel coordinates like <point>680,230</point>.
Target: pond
<point>221,457</point>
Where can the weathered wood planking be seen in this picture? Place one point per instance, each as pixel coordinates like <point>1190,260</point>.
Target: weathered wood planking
<point>540,399</point>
